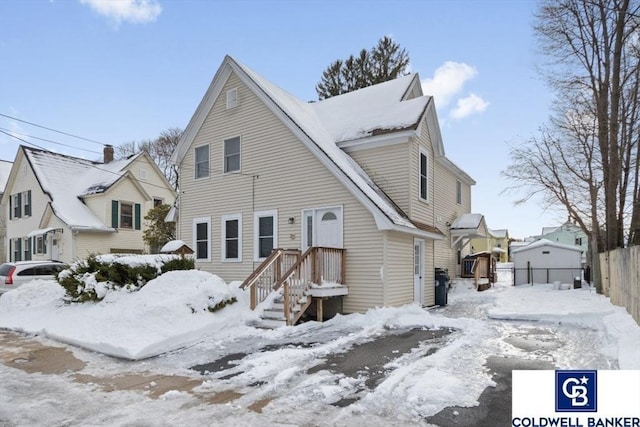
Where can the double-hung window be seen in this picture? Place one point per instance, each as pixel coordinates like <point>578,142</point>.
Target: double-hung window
<point>201,238</point>
<point>126,215</point>
<point>458,192</point>
<point>232,238</point>
<point>41,244</point>
<point>232,155</point>
<point>26,247</point>
<point>202,161</point>
<point>423,176</point>
<point>16,206</point>
<point>26,203</point>
<point>265,233</point>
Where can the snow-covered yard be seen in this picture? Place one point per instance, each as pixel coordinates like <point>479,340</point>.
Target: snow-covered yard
<point>274,376</point>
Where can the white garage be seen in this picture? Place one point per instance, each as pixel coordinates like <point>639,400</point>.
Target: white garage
<point>544,261</point>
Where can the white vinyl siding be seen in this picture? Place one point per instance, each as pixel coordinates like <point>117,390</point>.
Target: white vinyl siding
<point>201,169</point>
<point>265,233</point>
<point>232,155</point>
<point>290,178</point>
<point>231,238</point>
<point>389,167</point>
<point>202,238</point>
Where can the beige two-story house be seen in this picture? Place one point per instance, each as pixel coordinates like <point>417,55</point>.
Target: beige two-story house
<point>357,186</point>
<point>64,208</point>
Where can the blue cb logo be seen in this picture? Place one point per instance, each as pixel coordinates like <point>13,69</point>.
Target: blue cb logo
<point>576,391</point>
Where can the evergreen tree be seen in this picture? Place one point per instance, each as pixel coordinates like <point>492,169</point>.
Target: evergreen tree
<point>158,232</point>
<point>385,61</point>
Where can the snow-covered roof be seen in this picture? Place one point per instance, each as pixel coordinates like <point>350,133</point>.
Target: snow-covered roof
<point>305,116</point>
<point>5,170</point>
<point>372,110</point>
<point>500,234</point>
<point>465,221</point>
<point>67,179</point>
<point>173,246</point>
<point>544,242</point>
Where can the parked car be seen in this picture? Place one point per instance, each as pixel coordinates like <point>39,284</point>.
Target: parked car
<point>14,274</point>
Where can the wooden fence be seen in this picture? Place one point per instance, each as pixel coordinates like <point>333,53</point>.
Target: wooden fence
<point>621,278</point>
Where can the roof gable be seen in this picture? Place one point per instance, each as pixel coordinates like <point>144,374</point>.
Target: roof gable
<point>68,179</point>
<point>303,121</point>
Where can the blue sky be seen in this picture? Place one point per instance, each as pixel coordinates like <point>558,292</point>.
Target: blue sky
<point>125,70</point>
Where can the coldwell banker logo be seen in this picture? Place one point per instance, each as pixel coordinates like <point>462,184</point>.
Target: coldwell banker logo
<point>576,391</point>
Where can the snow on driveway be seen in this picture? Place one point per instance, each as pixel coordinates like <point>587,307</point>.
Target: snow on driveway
<point>273,376</point>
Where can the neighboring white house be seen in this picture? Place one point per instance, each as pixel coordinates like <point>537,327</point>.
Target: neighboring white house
<point>544,261</point>
<point>5,170</point>
<point>363,173</point>
<point>568,234</point>
<point>63,207</point>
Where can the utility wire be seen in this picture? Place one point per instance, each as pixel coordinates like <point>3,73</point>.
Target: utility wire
<point>53,130</point>
<point>25,141</point>
<point>48,140</point>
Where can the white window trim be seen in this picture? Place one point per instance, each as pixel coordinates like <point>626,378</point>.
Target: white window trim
<point>232,98</point>
<point>224,155</point>
<point>196,221</point>
<point>195,164</point>
<point>223,239</point>
<point>422,151</point>
<point>256,231</point>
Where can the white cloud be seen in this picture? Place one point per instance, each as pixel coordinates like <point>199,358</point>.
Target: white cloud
<point>465,107</point>
<point>448,81</point>
<point>133,11</point>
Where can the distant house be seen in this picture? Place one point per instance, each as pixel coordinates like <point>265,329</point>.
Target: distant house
<point>495,242</point>
<point>5,169</point>
<point>63,207</point>
<point>544,261</point>
<point>357,186</point>
<point>568,234</point>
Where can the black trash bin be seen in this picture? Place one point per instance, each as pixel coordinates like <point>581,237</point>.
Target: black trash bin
<point>442,283</point>
<point>577,282</point>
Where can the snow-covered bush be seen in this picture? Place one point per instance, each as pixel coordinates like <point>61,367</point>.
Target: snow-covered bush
<point>90,279</point>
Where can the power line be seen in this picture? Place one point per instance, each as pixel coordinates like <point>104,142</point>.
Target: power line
<point>20,139</point>
<point>13,133</point>
<point>53,130</point>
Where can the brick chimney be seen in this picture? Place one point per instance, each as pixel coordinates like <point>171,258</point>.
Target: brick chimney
<point>108,153</point>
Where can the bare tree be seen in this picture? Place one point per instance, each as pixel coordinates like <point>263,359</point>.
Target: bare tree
<point>593,45</point>
<point>160,150</point>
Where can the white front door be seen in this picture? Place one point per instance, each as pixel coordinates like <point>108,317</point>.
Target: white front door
<point>54,247</point>
<point>418,271</point>
<point>329,227</point>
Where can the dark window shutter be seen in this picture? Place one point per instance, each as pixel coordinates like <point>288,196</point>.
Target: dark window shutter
<point>114,213</point>
<point>19,249</point>
<point>27,209</point>
<point>33,244</point>
<point>11,207</point>
<point>44,245</point>
<point>19,207</point>
<point>137,221</point>
<point>11,250</point>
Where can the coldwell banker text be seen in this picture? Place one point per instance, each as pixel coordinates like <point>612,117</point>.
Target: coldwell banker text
<point>575,422</point>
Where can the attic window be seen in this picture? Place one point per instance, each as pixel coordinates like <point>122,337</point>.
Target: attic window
<point>232,98</point>
<point>545,252</point>
<point>143,174</point>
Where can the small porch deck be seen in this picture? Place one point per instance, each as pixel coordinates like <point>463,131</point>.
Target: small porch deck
<point>285,284</point>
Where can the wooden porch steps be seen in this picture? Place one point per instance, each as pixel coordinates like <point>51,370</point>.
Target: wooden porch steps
<point>273,316</point>
<point>287,276</point>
